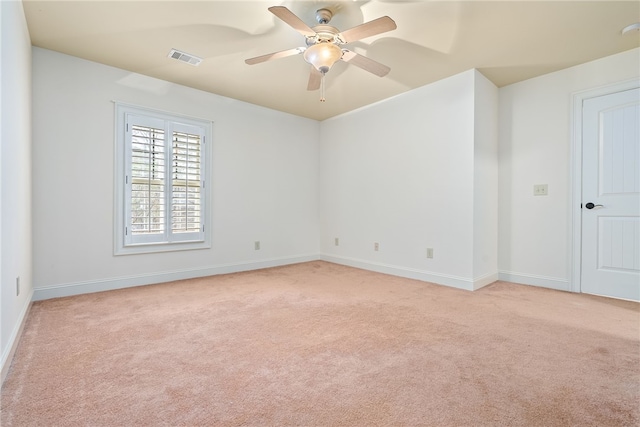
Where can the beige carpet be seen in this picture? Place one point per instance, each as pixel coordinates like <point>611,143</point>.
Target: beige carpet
<point>318,344</point>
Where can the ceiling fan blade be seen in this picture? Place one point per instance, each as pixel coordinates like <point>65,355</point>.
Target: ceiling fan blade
<point>365,63</point>
<point>315,78</point>
<point>275,55</point>
<point>290,18</point>
<point>368,29</point>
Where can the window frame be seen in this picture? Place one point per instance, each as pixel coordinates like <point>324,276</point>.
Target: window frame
<point>124,242</point>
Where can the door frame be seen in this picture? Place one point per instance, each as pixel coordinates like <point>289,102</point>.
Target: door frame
<point>575,211</point>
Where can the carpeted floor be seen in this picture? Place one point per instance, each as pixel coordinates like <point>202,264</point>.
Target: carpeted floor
<point>319,344</point>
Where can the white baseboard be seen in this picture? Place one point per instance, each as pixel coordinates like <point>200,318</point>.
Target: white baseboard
<point>481,282</point>
<point>534,280</point>
<point>69,289</point>
<point>412,273</point>
<point>14,339</point>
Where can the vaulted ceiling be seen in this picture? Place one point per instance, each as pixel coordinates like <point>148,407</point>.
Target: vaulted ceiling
<point>508,41</point>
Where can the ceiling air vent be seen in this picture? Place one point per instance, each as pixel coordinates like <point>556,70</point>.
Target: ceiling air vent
<point>184,57</point>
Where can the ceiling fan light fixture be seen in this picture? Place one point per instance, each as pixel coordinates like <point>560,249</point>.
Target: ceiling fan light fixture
<point>322,56</point>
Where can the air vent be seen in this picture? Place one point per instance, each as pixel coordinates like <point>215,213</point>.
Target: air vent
<point>184,57</point>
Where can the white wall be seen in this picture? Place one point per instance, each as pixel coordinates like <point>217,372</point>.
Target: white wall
<point>265,180</point>
<point>402,172</point>
<point>535,148</point>
<point>485,181</point>
<point>15,173</point>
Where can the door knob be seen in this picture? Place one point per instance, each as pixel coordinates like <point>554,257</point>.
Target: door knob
<point>591,206</point>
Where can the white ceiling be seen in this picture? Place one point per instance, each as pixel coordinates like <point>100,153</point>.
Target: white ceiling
<point>508,41</point>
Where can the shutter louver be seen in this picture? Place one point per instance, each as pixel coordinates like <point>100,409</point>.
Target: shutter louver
<point>186,183</point>
<point>148,164</point>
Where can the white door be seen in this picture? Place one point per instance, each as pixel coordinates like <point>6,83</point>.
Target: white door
<point>611,195</point>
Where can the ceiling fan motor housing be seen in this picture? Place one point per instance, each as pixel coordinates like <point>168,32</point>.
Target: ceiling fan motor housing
<point>324,33</point>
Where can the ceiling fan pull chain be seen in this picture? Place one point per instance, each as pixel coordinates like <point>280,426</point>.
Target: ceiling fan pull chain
<point>322,99</point>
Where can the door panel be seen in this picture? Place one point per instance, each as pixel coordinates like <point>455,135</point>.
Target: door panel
<point>618,248</point>
<point>610,263</point>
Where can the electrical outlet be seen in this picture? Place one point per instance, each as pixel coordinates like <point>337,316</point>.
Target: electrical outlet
<point>256,245</point>
<point>429,252</point>
<point>376,246</point>
<point>18,286</point>
<point>337,241</point>
<point>540,190</point>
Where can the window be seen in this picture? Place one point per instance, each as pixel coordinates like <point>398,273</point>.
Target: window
<point>161,169</point>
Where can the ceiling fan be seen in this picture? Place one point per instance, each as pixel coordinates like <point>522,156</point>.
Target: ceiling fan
<point>323,45</point>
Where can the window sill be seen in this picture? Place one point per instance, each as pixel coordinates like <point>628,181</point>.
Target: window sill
<point>148,248</point>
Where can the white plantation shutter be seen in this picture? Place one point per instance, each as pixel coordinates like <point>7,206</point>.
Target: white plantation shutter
<point>186,182</point>
<point>148,168</point>
<point>164,169</point>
